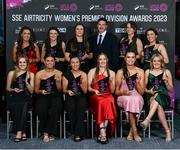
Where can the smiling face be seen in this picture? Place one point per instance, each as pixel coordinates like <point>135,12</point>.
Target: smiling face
<point>151,36</point>
<point>22,63</point>
<point>102,61</point>
<point>26,34</point>
<point>49,62</point>
<point>102,26</point>
<point>130,29</point>
<point>53,35</point>
<point>75,63</point>
<point>79,30</point>
<point>130,58</point>
<point>156,62</point>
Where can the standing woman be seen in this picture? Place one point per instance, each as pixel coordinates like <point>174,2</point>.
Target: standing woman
<point>153,47</point>
<point>129,88</point>
<point>49,104</point>
<point>101,85</point>
<point>19,82</point>
<point>158,82</point>
<point>131,42</point>
<point>26,45</point>
<point>79,46</point>
<point>75,88</point>
<point>56,47</point>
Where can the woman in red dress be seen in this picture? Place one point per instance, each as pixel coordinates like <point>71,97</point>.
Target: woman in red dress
<point>26,46</point>
<point>101,84</point>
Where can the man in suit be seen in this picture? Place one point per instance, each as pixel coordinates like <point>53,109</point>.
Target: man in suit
<point>106,42</point>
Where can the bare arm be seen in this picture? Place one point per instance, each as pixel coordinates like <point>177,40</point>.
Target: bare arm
<point>14,55</point>
<point>139,48</point>
<point>90,80</point>
<point>43,52</point>
<point>58,77</point>
<point>37,59</point>
<point>118,83</point>
<point>140,82</point>
<point>112,81</point>
<point>84,83</point>
<point>37,83</point>
<point>168,80</point>
<point>9,81</point>
<point>163,52</point>
<point>65,87</point>
<point>30,86</point>
<point>67,56</point>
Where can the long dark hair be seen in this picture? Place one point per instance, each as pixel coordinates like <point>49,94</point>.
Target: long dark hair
<point>97,66</point>
<point>155,32</point>
<point>59,39</point>
<point>134,26</point>
<point>74,46</point>
<point>124,66</point>
<point>20,41</point>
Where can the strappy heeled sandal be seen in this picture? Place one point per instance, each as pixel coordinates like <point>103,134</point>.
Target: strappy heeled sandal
<point>103,138</point>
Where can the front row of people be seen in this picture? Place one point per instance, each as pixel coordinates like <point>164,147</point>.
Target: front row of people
<point>129,85</point>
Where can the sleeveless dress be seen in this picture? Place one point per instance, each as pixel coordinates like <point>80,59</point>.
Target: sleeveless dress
<point>103,105</point>
<point>18,103</point>
<point>49,85</point>
<point>131,103</point>
<point>57,51</point>
<point>49,106</point>
<point>157,83</point>
<point>73,83</point>
<point>80,52</point>
<point>30,55</point>
<point>148,53</point>
<point>75,105</point>
<point>124,46</point>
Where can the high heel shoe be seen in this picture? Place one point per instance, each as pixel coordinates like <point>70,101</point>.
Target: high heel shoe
<point>168,136</point>
<point>102,138</point>
<point>145,124</point>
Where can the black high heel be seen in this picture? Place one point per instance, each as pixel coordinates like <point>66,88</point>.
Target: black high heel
<point>103,139</point>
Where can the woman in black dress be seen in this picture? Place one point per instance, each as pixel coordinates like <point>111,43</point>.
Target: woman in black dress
<point>79,46</point>
<point>75,88</point>
<point>20,82</point>
<point>56,47</point>
<point>49,105</point>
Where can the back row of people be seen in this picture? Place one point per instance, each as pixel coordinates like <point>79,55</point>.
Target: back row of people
<point>101,83</point>
<point>88,49</point>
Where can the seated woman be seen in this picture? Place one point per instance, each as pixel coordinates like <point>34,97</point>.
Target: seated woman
<point>101,85</point>
<point>19,82</point>
<point>75,87</point>
<point>158,82</point>
<point>49,104</point>
<point>129,88</point>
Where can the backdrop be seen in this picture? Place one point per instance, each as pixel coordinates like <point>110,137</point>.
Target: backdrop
<point>64,14</point>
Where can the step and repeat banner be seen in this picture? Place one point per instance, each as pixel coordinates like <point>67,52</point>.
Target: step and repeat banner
<point>64,14</point>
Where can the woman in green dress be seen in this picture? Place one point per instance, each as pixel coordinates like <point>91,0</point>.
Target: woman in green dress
<point>158,82</point>
<point>153,47</point>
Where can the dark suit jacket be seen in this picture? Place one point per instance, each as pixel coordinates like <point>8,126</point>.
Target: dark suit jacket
<point>109,46</point>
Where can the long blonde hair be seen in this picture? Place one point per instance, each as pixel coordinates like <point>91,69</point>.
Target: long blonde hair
<point>17,67</point>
